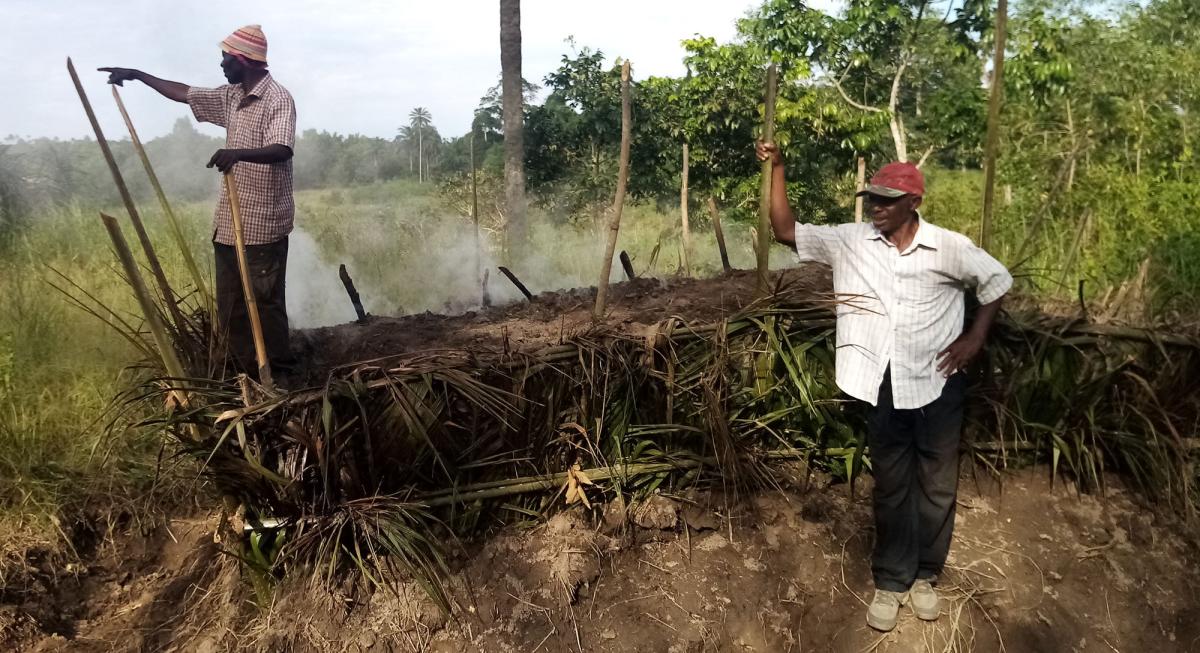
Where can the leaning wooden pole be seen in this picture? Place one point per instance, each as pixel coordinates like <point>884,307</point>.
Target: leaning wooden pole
<point>172,222</point>
<point>715,214</point>
<point>995,100</point>
<point>260,346</point>
<point>683,211</point>
<point>614,223</point>
<point>764,200</point>
<point>166,350</point>
<point>147,247</point>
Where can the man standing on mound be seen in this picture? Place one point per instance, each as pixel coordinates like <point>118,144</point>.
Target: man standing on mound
<point>260,120</point>
<point>901,348</point>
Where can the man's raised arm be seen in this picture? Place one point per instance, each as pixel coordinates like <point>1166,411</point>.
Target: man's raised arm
<point>783,221</point>
<point>168,89</point>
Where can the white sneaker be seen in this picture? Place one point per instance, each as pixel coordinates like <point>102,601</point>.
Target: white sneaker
<point>884,608</point>
<point>924,600</point>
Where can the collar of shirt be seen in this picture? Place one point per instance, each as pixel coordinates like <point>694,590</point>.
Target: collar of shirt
<point>260,88</point>
<point>927,236</point>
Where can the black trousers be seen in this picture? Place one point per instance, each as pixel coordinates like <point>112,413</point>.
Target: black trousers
<point>268,269</point>
<point>914,459</point>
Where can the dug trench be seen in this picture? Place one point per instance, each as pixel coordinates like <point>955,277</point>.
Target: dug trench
<point>1036,565</point>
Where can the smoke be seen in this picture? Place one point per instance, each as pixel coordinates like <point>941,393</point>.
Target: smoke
<point>315,295</point>
<point>408,258</point>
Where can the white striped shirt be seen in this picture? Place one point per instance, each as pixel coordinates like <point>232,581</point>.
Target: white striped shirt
<point>899,308</point>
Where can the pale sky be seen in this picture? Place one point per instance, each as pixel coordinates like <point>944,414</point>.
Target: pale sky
<point>355,66</point>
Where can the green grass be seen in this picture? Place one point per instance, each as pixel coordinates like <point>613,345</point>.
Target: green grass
<point>59,371</point>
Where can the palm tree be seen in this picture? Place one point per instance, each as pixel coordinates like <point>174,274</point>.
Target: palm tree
<point>404,138</point>
<point>420,118</point>
<point>514,115</point>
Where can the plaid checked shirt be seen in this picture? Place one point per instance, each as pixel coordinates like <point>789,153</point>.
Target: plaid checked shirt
<point>899,308</point>
<point>264,116</point>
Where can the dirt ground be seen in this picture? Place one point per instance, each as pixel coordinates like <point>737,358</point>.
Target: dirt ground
<point>1032,569</point>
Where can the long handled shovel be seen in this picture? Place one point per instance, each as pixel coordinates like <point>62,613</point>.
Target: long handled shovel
<point>260,347</point>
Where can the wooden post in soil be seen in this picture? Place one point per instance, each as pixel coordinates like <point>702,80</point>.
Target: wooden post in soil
<point>475,219</point>
<point>614,224</point>
<point>166,350</point>
<point>716,220</point>
<point>859,184</point>
<point>993,127</point>
<point>260,347</point>
<point>172,222</point>
<point>628,265</point>
<point>763,247</point>
<point>147,247</point>
<point>683,212</point>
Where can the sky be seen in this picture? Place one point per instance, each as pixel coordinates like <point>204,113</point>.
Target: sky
<point>355,66</point>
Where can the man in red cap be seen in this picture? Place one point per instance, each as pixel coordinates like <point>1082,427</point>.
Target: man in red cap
<point>902,349</point>
<point>260,120</point>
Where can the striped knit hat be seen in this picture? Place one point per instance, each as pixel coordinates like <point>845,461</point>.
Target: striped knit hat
<point>249,42</point>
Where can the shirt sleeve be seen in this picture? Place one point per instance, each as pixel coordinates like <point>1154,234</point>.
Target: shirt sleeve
<point>980,271</point>
<point>816,243</point>
<point>210,104</point>
<point>281,123</point>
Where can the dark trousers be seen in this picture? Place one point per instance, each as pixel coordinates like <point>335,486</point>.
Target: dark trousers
<point>914,459</point>
<point>268,268</point>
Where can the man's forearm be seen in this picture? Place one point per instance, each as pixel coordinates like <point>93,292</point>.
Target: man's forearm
<point>984,318</point>
<point>270,154</point>
<point>783,221</point>
<point>168,89</point>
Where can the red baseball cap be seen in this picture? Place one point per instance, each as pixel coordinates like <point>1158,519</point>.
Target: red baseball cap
<point>896,179</point>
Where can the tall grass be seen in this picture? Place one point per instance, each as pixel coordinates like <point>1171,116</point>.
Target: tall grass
<point>59,369</point>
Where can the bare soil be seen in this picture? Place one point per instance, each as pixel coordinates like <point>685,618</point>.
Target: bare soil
<point>1033,568</point>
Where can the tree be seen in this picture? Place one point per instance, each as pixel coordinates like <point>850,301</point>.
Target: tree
<point>514,116</point>
<point>872,54</point>
<point>420,119</point>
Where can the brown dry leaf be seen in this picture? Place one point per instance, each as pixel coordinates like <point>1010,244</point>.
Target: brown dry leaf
<point>229,414</point>
<point>576,478</point>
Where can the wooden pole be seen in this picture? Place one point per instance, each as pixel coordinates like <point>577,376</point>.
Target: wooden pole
<point>763,252</point>
<point>614,224</point>
<point>172,221</point>
<point>516,282</point>
<point>628,265</point>
<point>993,127</point>
<point>716,220</point>
<point>166,350</point>
<point>260,347</point>
<point>683,211</point>
<point>860,184</point>
<point>475,219</point>
<point>147,247</point>
<point>348,284</point>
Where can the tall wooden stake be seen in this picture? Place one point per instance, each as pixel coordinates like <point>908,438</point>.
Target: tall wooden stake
<point>614,224</point>
<point>764,201</point>
<point>716,220</point>
<point>147,247</point>
<point>683,211</point>
<point>993,126</point>
<point>475,215</point>
<point>172,221</point>
<point>166,350</point>
<point>260,346</point>
<point>860,183</point>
